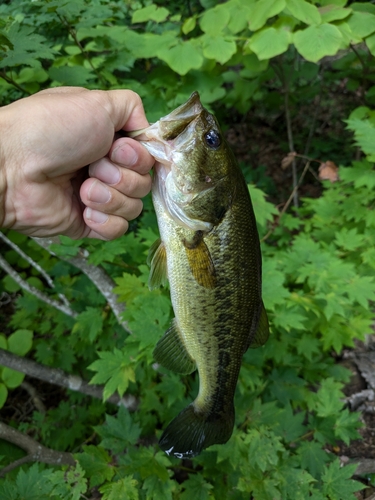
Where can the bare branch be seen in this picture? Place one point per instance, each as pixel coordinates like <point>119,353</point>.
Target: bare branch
<point>34,396</point>
<point>35,451</point>
<point>98,276</point>
<point>62,379</point>
<point>35,265</point>
<point>34,291</point>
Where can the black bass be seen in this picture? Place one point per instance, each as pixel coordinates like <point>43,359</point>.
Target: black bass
<point>209,251</point>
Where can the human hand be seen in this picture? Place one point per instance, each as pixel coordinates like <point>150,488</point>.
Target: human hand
<point>47,139</point>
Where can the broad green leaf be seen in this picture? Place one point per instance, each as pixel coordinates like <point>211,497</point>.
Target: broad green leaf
<point>219,48</point>
<point>68,484</point>
<point>264,210</point>
<point>113,369</point>
<point>337,482</point>
<point>273,290</point>
<point>333,12</point>
<point>316,42</point>
<point>370,42</point>
<point>125,488</point>
<point>3,342</point>
<point>329,398</point>
<point>71,75</point>
<point>128,287</point>
<point>196,487</point>
<point>33,484</point>
<point>269,42</point>
<point>118,432</point>
<point>263,10</point>
<point>182,58</point>
<point>304,11</point>
<point>364,133</point>
<point>313,457</point>
<point>12,378</point>
<point>20,342</point>
<point>213,21</point>
<point>240,14</point>
<point>3,394</point>
<point>97,464</point>
<point>346,426</point>
<point>189,25</point>
<point>89,323</point>
<point>361,23</point>
<point>150,13</point>
<point>157,489</point>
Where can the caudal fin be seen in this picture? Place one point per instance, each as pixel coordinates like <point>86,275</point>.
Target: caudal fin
<point>192,431</point>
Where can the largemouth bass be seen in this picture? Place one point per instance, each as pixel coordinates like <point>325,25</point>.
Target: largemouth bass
<point>209,251</point>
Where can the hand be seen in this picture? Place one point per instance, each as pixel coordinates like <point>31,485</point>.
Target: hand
<point>47,140</point>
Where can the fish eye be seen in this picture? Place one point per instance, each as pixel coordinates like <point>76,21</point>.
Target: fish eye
<point>212,139</point>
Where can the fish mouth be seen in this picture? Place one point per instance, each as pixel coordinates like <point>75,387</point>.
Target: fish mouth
<point>171,132</point>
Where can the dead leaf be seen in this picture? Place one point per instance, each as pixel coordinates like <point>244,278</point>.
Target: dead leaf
<point>288,160</point>
<point>328,171</point>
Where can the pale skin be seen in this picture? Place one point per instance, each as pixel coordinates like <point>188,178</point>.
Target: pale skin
<point>63,172</point>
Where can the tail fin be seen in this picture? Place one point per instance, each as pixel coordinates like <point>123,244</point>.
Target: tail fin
<point>192,431</point>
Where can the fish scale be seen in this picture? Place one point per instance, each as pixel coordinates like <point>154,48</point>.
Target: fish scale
<point>209,251</point>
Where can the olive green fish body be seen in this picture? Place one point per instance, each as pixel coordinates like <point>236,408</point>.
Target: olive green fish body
<point>210,253</point>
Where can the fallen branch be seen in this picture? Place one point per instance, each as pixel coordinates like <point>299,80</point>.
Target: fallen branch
<point>98,276</point>
<point>62,379</point>
<point>34,291</point>
<point>35,451</point>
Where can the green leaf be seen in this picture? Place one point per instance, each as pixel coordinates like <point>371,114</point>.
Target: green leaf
<point>97,464</point>
<point>312,457</point>
<point>128,287</point>
<point>68,484</point>
<point>273,290</point>
<point>269,42</point>
<point>3,394</point>
<point>333,13</point>
<point>89,323</point>
<point>370,42</point>
<point>263,10</point>
<point>113,370</point>
<point>337,482</point>
<point>329,398</point>
<point>196,487</point>
<point>12,378</point>
<point>150,13</point>
<point>20,342</point>
<point>157,489</point>
<point>125,488</point>
<point>189,25</point>
<point>219,48</point>
<point>316,42</point>
<point>263,448</point>
<point>71,75</point>
<point>304,11</point>
<point>364,133</point>
<point>361,23</point>
<point>182,58</point>
<point>213,21</point>
<point>346,426</point>
<point>118,432</point>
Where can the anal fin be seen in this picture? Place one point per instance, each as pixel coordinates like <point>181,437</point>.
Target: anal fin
<point>171,351</point>
<point>157,260</point>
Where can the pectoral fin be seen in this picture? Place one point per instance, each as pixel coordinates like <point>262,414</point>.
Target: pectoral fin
<point>262,333</point>
<point>157,260</point>
<point>200,261</point>
<point>171,351</point>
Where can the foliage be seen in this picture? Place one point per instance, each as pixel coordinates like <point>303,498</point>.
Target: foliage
<point>318,261</point>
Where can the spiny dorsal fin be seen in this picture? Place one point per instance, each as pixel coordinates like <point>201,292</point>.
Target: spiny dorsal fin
<point>200,261</point>
<point>157,260</point>
<point>171,351</point>
<point>263,332</point>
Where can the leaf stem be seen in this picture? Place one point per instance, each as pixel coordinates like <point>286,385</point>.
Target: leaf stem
<point>5,77</point>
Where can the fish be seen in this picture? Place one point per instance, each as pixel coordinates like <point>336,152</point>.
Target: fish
<point>209,251</point>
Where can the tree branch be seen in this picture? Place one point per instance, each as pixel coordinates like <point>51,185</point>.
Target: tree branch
<point>62,379</point>
<point>34,291</point>
<point>5,77</point>
<point>35,451</point>
<point>35,265</point>
<point>98,276</point>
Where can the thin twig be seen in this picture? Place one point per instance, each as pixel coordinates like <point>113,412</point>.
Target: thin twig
<point>35,451</point>
<point>98,276</point>
<point>291,142</point>
<point>286,206</point>
<point>34,291</point>
<point>35,265</point>
<point>59,377</point>
<point>5,77</point>
<point>34,396</point>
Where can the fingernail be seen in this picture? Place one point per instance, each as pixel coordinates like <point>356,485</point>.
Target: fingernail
<point>106,172</point>
<point>99,193</point>
<point>96,216</point>
<point>124,155</point>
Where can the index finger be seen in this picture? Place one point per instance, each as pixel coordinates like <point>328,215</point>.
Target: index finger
<point>126,110</point>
